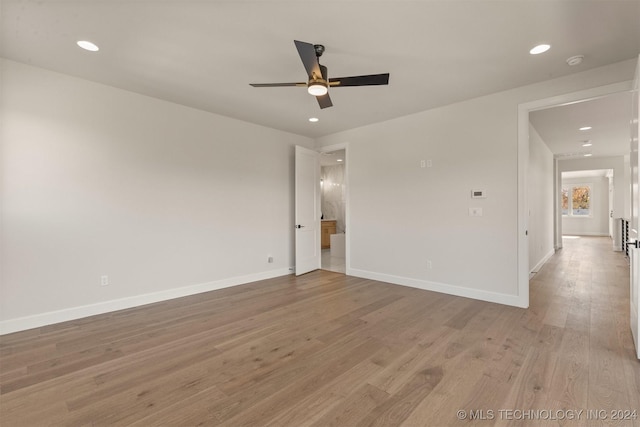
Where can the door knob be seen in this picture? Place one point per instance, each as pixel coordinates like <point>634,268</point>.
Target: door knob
<point>299,226</point>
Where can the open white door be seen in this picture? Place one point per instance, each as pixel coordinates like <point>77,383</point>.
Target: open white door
<point>634,251</point>
<point>308,255</point>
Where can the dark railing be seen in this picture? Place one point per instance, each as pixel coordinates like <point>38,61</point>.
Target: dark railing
<point>625,236</point>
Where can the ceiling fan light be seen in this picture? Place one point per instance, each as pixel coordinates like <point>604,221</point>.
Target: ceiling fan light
<point>317,88</point>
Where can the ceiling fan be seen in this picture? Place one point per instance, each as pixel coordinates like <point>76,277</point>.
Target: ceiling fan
<point>318,83</point>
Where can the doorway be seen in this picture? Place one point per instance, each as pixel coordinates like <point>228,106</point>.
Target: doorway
<point>333,203</point>
<point>560,162</point>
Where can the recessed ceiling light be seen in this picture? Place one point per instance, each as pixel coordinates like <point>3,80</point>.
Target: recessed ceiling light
<point>338,160</point>
<point>585,128</point>
<point>541,48</point>
<point>87,45</point>
<point>313,119</point>
<point>588,155</point>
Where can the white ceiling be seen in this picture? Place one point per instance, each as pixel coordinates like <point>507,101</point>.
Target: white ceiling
<point>608,117</point>
<point>204,54</point>
<point>332,158</point>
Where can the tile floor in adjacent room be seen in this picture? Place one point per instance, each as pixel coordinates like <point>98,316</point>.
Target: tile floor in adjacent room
<point>331,263</point>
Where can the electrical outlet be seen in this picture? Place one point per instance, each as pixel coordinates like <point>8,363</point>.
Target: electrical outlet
<point>104,280</point>
<point>423,163</point>
<point>429,264</point>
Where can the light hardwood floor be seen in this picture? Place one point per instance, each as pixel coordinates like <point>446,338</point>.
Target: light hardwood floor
<point>329,350</point>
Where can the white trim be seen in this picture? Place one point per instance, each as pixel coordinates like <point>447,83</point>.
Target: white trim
<point>542,261</point>
<point>557,208</point>
<point>334,147</point>
<point>49,318</point>
<point>512,300</point>
<point>523,159</point>
<point>580,96</point>
<point>588,233</point>
<point>523,207</point>
<point>634,303</point>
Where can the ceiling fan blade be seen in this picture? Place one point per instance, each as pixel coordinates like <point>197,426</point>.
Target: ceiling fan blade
<point>370,80</point>
<point>277,84</point>
<point>324,101</point>
<point>309,59</point>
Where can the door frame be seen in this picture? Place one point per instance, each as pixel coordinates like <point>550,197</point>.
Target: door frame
<point>634,253</point>
<point>523,173</point>
<point>347,216</point>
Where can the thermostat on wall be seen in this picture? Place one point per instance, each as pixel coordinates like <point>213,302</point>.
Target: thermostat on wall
<point>478,194</point>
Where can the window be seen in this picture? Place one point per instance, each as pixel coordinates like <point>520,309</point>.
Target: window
<point>576,200</point>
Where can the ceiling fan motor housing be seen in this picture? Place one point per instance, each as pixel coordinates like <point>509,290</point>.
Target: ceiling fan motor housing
<point>318,85</point>
<point>318,77</point>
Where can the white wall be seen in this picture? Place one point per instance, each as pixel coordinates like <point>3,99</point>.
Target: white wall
<point>596,224</point>
<point>541,201</point>
<point>402,215</point>
<point>169,200</point>
<point>164,199</point>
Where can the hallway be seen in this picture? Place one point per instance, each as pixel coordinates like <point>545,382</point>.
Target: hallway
<point>582,294</point>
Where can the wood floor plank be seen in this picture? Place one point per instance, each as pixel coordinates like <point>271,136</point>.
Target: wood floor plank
<point>306,382</point>
<point>440,407</point>
<point>571,376</point>
<point>354,408</point>
<point>396,375</point>
<point>607,400</point>
<point>328,400</point>
<point>190,412</point>
<point>532,386</point>
<point>325,349</point>
<point>398,407</point>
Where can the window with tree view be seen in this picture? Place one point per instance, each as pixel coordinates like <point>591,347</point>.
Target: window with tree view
<point>576,200</point>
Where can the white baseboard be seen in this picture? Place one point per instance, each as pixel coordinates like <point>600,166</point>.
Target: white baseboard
<point>587,234</point>
<point>544,259</point>
<point>512,300</point>
<point>49,318</point>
